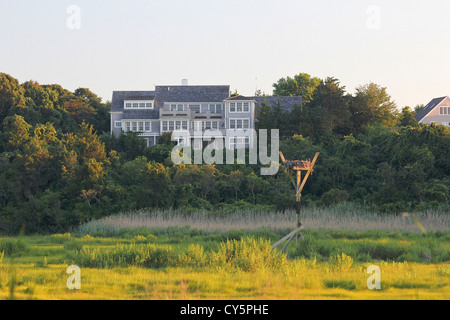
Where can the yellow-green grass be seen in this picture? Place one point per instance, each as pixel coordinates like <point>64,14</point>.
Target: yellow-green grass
<point>303,279</point>
<point>37,270</point>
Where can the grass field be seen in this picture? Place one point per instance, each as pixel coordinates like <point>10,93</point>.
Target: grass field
<point>176,261</point>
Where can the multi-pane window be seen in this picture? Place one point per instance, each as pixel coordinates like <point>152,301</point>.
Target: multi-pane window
<point>195,107</point>
<point>444,111</point>
<point>137,126</point>
<point>240,107</point>
<point>118,124</point>
<point>176,107</point>
<point>138,105</point>
<point>215,108</point>
<point>239,124</point>
<point>239,142</point>
<point>174,125</point>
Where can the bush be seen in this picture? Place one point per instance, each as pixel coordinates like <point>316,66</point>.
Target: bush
<point>12,247</point>
<point>334,196</point>
<point>60,238</point>
<point>248,255</point>
<point>194,257</point>
<point>142,255</point>
<point>340,262</point>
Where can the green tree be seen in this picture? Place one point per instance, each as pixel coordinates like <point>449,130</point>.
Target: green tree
<point>11,94</point>
<point>372,104</point>
<point>329,109</point>
<point>302,85</point>
<point>16,132</point>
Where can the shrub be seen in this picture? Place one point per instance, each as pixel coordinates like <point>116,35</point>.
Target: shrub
<point>340,262</point>
<point>12,247</point>
<point>248,255</point>
<point>194,257</point>
<point>142,255</point>
<point>334,196</point>
<point>60,238</point>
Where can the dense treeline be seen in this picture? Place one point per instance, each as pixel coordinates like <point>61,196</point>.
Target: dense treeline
<point>60,167</point>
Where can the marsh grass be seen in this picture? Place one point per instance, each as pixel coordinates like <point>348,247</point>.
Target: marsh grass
<point>344,217</point>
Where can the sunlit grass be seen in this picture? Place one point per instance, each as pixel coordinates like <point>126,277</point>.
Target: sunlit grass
<point>301,281</point>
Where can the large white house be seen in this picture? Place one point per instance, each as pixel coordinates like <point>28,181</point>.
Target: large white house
<point>192,109</point>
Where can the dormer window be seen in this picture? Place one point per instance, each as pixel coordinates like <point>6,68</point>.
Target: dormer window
<point>142,104</point>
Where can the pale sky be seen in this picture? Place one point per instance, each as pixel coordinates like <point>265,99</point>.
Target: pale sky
<point>403,45</point>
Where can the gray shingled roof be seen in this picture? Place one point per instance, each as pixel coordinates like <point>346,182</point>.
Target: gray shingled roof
<point>140,114</point>
<point>119,96</point>
<point>192,93</point>
<point>140,97</point>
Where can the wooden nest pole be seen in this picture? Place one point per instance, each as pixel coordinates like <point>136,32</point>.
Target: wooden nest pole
<point>297,166</point>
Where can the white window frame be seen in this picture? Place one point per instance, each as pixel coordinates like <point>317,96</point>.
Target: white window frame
<point>242,120</point>
<point>196,105</point>
<point>117,124</point>
<point>213,108</point>
<point>239,142</point>
<point>177,125</point>
<point>138,104</point>
<point>135,125</point>
<point>240,107</point>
